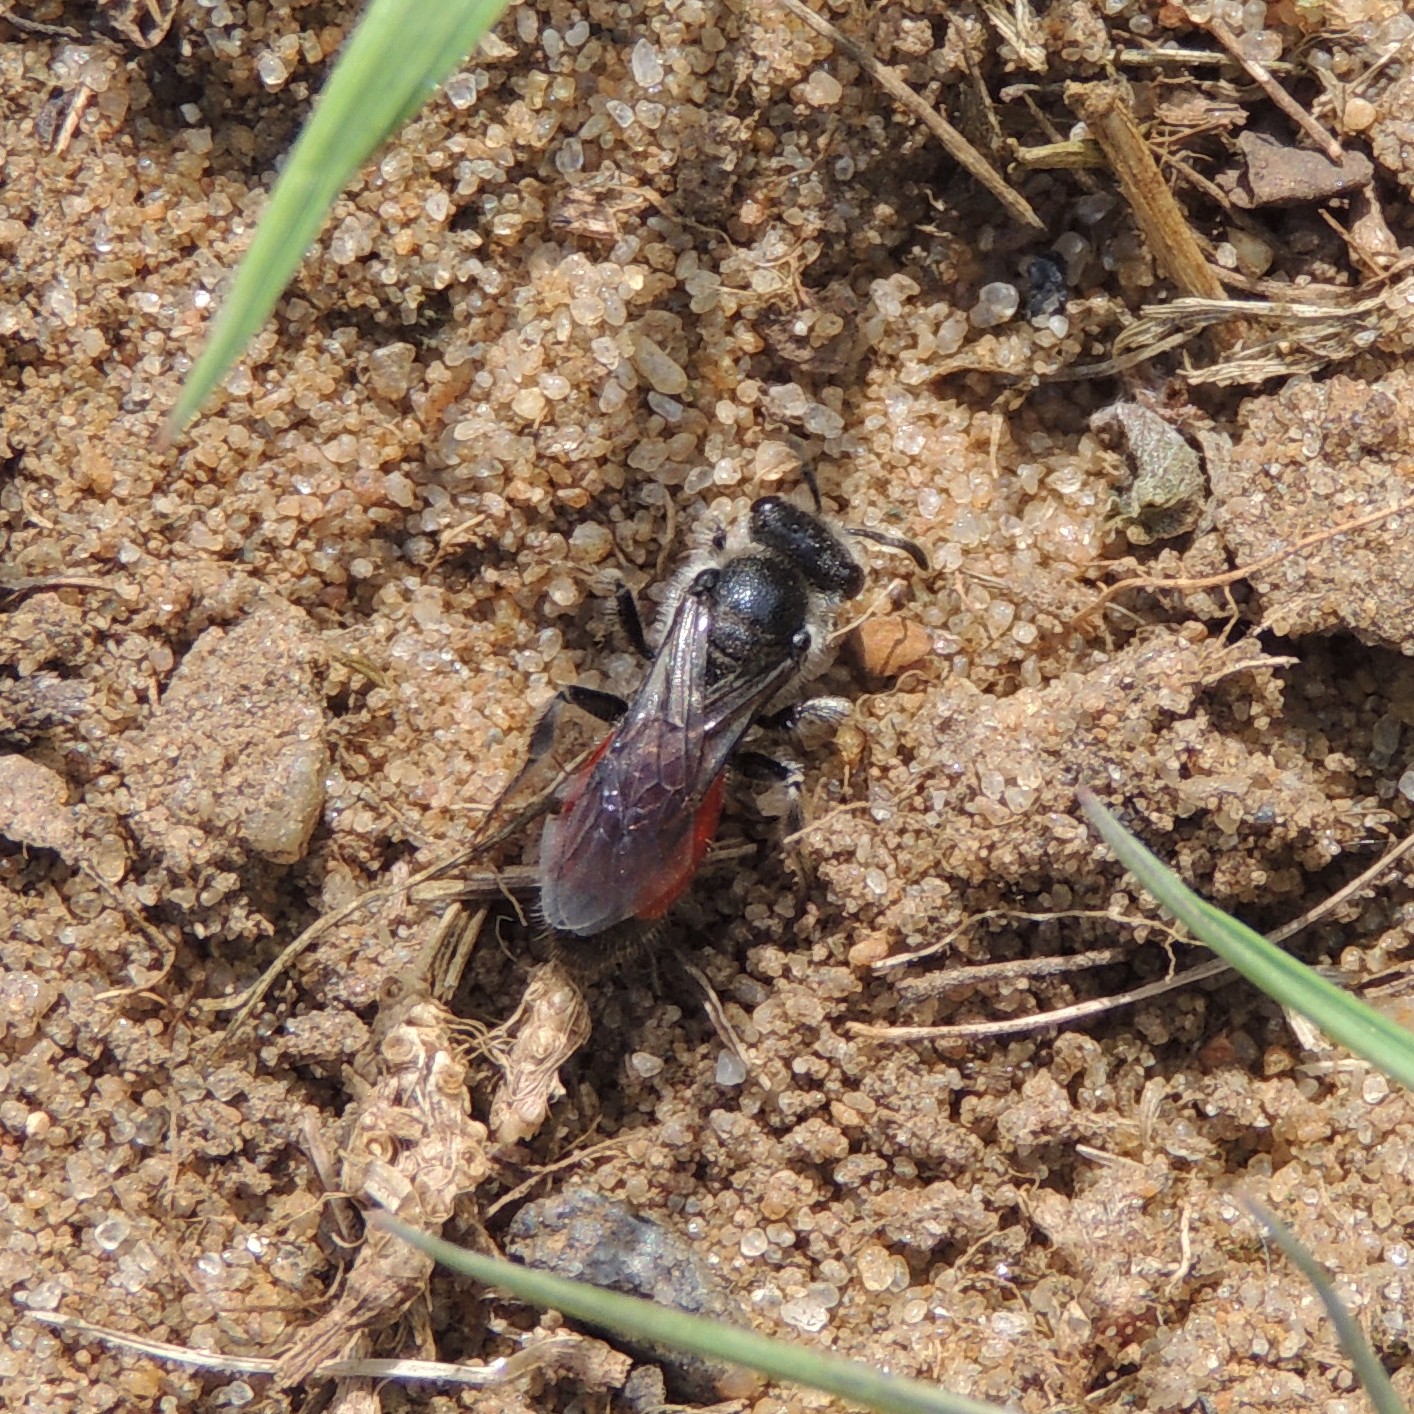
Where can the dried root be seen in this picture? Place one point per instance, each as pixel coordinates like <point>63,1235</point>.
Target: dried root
<point>549,1026</point>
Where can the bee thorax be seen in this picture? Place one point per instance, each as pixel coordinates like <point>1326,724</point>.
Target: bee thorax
<point>760,604</point>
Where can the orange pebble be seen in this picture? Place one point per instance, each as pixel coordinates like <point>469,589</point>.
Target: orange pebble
<point>884,647</point>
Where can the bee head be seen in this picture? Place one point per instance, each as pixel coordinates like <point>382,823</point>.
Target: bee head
<point>809,545</point>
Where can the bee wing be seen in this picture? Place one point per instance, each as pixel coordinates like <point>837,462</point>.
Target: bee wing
<point>635,827</point>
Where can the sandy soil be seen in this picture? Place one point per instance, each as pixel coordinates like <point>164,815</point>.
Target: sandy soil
<point>634,265</point>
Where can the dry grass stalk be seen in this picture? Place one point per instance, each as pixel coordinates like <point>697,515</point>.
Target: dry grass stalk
<point>1325,326</point>
<point>502,822</point>
<point>1186,59</point>
<point>245,1004</point>
<point>721,1022</point>
<point>1097,1006</point>
<point>1061,1016</point>
<point>1017,24</point>
<point>1044,966</point>
<point>1072,155</point>
<point>1219,581</point>
<point>143,23</point>
<point>1305,334</point>
<point>1104,108</point>
<point>556,1352</point>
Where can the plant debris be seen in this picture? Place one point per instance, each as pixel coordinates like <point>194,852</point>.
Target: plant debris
<point>1168,492</point>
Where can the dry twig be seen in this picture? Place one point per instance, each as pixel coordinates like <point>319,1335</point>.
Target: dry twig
<point>491,833</point>
<point>1040,966</point>
<point>581,1156</point>
<point>1299,336</point>
<point>1017,24</point>
<point>37,27</point>
<point>1061,1016</point>
<point>1017,969</point>
<point>1161,56</point>
<point>244,1004</point>
<point>42,584</point>
<point>721,1022</point>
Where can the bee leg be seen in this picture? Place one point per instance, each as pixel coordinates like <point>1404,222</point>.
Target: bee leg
<point>824,711</point>
<point>604,705</point>
<point>632,621</point>
<point>757,766</point>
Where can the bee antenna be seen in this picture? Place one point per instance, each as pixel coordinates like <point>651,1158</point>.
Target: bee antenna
<point>911,548</point>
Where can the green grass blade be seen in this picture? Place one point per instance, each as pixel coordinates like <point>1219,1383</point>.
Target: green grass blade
<point>646,1320</point>
<point>1358,1350</point>
<point>1344,1018</point>
<point>400,52</point>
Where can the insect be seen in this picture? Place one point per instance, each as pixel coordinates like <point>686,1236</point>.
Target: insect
<point>1047,293</point>
<point>742,628</point>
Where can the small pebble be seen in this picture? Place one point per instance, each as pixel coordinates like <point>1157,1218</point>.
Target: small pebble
<point>1359,114</point>
<point>883,647</point>
<point>868,951</point>
<point>996,303</point>
<point>33,811</point>
<point>584,1235</point>
<point>647,66</point>
<point>654,364</point>
<point>875,1266</point>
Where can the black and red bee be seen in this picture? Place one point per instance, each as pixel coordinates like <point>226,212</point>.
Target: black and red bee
<point>742,628</point>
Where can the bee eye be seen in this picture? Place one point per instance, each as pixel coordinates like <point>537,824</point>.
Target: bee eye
<point>802,642</point>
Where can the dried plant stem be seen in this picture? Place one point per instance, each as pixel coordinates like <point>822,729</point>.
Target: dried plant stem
<point>1071,155</point>
<point>36,27</point>
<point>1180,58</point>
<point>721,1022</point>
<point>1017,969</point>
<point>1104,108</point>
<point>1036,966</point>
<point>957,146</point>
<point>1218,581</point>
<point>1061,1016</point>
<point>244,1004</point>
<point>580,1156</point>
<point>494,1372</point>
